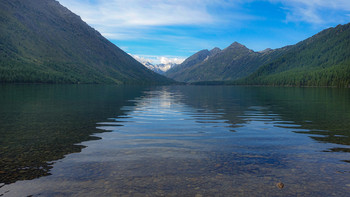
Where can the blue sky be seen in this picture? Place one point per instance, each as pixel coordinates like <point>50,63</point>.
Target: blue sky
<point>171,30</point>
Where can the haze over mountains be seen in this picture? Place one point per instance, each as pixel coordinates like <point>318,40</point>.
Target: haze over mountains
<point>43,42</point>
<point>322,60</point>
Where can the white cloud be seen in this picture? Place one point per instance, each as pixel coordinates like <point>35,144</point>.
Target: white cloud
<point>143,59</point>
<point>140,12</point>
<point>315,11</point>
<point>145,22</point>
<point>158,59</point>
<point>304,14</point>
<point>130,19</point>
<point>126,19</point>
<point>166,60</point>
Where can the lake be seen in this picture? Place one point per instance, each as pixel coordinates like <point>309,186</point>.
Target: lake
<point>90,140</point>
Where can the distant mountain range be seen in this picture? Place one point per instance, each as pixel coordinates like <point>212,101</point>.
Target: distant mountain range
<point>322,60</point>
<point>43,42</point>
<point>234,62</point>
<point>158,68</point>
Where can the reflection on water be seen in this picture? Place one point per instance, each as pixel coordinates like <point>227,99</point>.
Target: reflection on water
<point>207,141</point>
<point>42,123</point>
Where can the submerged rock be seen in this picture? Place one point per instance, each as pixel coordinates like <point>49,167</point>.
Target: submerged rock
<point>280,185</point>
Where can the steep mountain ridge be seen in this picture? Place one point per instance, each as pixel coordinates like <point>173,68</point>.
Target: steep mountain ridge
<point>196,58</point>
<point>233,62</point>
<point>43,42</point>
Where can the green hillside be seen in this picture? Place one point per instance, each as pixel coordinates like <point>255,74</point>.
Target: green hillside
<point>322,60</point>
<point>43,42</point>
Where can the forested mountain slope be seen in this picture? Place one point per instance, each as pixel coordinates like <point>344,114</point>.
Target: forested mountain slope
<point>234,62</point>
<point>322,60</point>
<point>43,42</point>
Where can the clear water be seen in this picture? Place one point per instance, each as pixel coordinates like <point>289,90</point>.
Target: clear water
<point>174,141</point>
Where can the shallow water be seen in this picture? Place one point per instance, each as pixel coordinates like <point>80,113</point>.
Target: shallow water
<point>177,141</point>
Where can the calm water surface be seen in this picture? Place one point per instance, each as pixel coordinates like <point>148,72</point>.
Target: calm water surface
<point>173,141</point>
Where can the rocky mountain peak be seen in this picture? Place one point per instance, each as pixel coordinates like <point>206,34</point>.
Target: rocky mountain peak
<point>214,51</point>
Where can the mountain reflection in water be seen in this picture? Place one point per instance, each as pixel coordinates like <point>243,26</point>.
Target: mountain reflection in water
<point>193,140</point>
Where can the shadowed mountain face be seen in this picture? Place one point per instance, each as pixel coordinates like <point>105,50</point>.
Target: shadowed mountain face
<point>234,62</point>
<point>42,41</point>
<point>177,71</point>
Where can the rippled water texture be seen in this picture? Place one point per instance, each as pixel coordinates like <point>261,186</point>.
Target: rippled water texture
<point>197,141</point>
